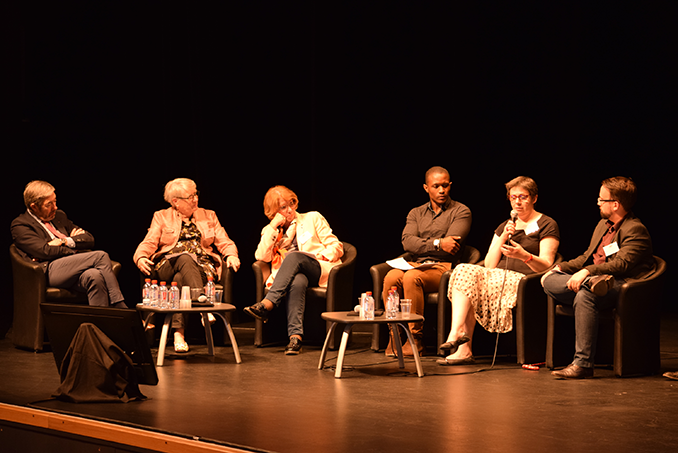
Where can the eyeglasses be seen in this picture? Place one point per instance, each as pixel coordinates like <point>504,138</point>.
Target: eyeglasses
<point>191,196</point>
<point>292,206</point>
<point>521,197</point>
<point>601,201</point>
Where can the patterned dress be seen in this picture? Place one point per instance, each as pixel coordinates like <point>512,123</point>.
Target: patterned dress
<point>492,292</point>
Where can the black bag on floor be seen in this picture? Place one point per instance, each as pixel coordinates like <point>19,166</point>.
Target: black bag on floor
<point>96,370</point>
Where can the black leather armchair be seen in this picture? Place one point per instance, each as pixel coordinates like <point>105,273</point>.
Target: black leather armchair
<point>435,302</point>
<point>337,296</point>
<point>628,335</point>
<point>30,290</point>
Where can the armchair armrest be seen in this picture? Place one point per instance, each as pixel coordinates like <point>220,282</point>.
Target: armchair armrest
<point>340,282</point>
<point>262,270</point>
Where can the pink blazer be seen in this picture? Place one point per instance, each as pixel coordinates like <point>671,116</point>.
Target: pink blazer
<point>164,232</point>
<point>314,236</point>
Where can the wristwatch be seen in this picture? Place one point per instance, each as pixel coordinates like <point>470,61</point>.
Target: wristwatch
<point>436,244</point>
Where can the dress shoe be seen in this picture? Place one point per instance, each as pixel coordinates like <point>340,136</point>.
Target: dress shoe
<point>454,345</point>
<point>672,375</point>
<point>601,284</point>
<point>573,371</point>
<point>451,362</point>
<point>407,348</point>
<point>294,346</point>
<point>257,311</point>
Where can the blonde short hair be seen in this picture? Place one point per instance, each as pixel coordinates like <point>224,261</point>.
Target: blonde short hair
<point>178,188</point>
<point>274,196</point>
<point>36,191</point>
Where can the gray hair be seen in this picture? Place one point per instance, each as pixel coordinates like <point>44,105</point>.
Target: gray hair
<point>36,191</point>
<point>178,188</point>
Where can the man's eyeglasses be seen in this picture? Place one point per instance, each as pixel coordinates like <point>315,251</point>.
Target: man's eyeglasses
<point>601,201</point>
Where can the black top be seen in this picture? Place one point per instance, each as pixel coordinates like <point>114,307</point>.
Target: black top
<point>529,239</point>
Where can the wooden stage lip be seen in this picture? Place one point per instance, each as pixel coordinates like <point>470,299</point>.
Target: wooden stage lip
<point>110,432</point>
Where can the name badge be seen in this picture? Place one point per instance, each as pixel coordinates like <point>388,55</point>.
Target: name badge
<point>532,228</point>
<point>304,237</point>
<point>611,249</point>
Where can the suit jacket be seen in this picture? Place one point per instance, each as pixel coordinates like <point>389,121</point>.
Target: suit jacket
<point>31,238</point>
<point>634,259</point>
<point>314,236</point>
<point>165,229</point>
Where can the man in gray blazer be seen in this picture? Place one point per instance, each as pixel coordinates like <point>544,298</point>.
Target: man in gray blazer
<point>45,235</point>
<point>620,249</point>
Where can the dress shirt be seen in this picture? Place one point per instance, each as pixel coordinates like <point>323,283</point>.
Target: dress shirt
<point>424,226</point>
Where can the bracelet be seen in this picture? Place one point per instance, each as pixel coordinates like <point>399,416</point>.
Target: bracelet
<point>529,259</point>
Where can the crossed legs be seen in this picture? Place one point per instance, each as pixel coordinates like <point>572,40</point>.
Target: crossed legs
<point>89,272</point>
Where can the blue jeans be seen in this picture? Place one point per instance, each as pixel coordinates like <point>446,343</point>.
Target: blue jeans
<point>586,307</point>
<point>297,272</point>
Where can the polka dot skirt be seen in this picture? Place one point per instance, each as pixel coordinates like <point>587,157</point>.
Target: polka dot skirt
<point>483,287</point>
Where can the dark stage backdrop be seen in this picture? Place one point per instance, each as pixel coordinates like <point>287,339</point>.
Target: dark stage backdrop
<point>346,104</point>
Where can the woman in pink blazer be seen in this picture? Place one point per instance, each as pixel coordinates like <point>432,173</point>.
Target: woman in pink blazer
<point>302,250</point>
<point>182,244</point>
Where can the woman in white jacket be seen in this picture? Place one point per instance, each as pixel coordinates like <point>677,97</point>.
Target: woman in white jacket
<point>302,250</point>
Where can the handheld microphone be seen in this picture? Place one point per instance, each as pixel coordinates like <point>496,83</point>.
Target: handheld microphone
<point>514,216</point>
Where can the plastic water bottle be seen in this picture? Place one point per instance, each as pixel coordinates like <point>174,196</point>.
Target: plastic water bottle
<point>368,306</point>
<point>390,304</point>
<point>394,296</point>
<point>146,292</point>
<point>210,290</point>
<point>174,296</point>
<point>162,295</point>
<point>154,293</point>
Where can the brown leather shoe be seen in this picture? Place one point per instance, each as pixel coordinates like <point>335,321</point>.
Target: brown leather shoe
<point>573,371</point>
<point>601,284</point>
<point>390,348</point>
<point>407,348</point>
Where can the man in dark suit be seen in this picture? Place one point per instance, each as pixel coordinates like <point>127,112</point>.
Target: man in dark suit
<point>620,249</point>
<point>45,235</point>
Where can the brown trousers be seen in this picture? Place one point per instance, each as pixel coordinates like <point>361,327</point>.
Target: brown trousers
<point>413,284</point>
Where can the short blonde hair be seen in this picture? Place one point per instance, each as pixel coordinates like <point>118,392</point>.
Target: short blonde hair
<point>274,196</point>
<point>178,188</point>
<point>36,191</point>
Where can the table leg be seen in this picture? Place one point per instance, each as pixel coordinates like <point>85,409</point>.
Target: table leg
<point>234,343</point>
<point>208,333</point>
<point>398,344</point>
<point>330,331</point>
<point>342,350</point>
<point>163,340</point>
<point>415,352</point>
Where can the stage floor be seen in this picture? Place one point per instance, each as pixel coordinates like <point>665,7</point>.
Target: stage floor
<point>273,402</point>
